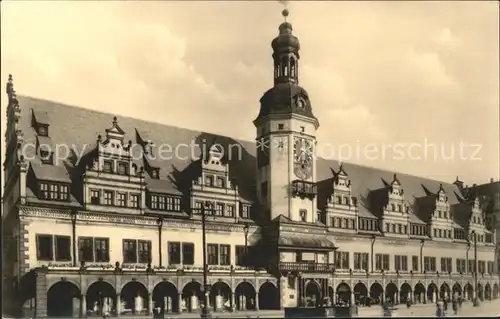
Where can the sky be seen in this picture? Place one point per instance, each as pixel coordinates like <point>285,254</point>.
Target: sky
<point>377,73</point>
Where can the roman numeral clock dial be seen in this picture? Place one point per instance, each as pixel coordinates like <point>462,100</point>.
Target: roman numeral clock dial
<point>303,157</point>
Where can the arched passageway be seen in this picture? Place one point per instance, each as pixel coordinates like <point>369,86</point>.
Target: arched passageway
<point>487,292</point>
<point>220,296</point>
<point>166,297</point>
<point>468,291</point>
<point>192,297</point>
<point>405,293</point>
<point>432,293</point>
<point>480,292</point>
<point>419,293</point>
<point>245,296</point>
<point>64,300</point>
<point>269,297</point>
<point>361,294</point>
<point>343,293</point>
<point>444,291</point>
<point>313,294</point>
<point>495,291</point>
<point>456,290</point>
<point>101,298</point>
<point>391,292</point>
<point>134,298</point>
<point>376,293</point>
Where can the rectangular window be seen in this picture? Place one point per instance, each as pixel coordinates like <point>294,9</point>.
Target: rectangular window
<point>240,255</point>
<point>44,190</point>
<point>108,198</point>
<point>188,253</point>
<point>219,209</point>
<point>220,182</point>
<point>129,251</point>
<point>481,266</point>
<point>134,200</point>
<point>170,204</point>
<point>53,191</point>
<point>245,211</point>
<point>382,262</point>
<point>471,267</point>
<point>401,263</point>
<point>161,202</point>
<point>101,249</point>
<point>461,265</point>
<point>361,261</point>
<point>230,210</point>
<point>144,251</point>
<point>415,263</point>
<point>123,168</point>
<point>213,254</point>
<point>430,263</point>
<point>209,180</point>
<point>122,199</point>
<point>95,196</point>
<point>197,207</point>
<point>45,247</point>
<point>154,201</point>
<point>107,166</point>
<point>174,253</point>
<point>177,205</point>
<point>342,260</point>
<point>225,255</point>
<point>86,249</point>
<point>63,192</point>
<point>446,264</point>
<point>63,248</point>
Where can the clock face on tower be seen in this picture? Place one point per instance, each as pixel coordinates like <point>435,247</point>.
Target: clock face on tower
<point>302,157</point>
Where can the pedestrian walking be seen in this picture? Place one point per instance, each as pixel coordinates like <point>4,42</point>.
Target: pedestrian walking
<point>454,305</point>
<point>439,311</point>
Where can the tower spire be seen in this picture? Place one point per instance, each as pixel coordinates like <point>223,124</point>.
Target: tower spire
<point>286,53</point>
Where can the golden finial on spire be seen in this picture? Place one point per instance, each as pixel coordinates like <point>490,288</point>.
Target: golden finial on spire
<point>285,13</point>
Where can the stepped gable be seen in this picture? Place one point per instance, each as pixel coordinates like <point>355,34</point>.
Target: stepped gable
<point>78,128</point>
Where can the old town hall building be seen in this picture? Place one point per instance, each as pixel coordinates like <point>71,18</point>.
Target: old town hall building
<point>109,226</point>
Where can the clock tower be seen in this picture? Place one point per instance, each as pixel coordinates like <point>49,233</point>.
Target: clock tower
<point>286,137</point>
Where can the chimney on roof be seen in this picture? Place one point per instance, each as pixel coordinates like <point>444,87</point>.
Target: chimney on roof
<point>492,180</point>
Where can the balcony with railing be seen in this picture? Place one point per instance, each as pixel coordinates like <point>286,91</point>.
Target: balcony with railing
<point>306,267</point>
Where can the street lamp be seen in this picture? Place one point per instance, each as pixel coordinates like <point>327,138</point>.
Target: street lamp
<point>159,222</point>
<point>245,231</point>
<point>205,313</point>
<point>73,230</point>
<point>475,301</point>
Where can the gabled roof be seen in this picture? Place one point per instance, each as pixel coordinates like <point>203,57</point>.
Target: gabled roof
<point>79,127</point>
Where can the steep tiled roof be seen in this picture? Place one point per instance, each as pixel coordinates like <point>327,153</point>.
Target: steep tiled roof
<point>79,127</point>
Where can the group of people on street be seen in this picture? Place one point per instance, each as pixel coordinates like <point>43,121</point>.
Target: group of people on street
<point>442,306</point>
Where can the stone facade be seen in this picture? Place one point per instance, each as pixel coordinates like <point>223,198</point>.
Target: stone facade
<point>112,228</point>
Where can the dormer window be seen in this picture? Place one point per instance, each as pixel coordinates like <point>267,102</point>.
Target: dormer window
<point>123,168</point>
<point>209,180</point>
<point>303,215</point>
<point>54,191</point>
<point>220,182</point>
<point>108,166</point>
<point>46,157</point>
<point>155,173</point>
<point>43,130</point>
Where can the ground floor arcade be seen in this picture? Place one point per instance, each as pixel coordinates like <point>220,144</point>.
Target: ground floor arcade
<point>93,293</point>
<point>364,292</point>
